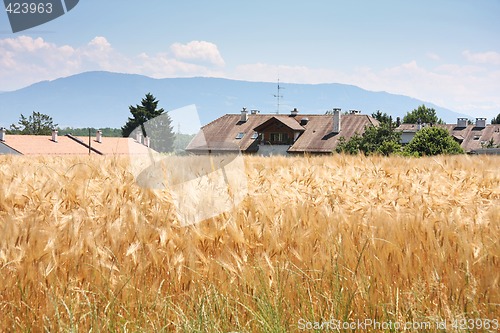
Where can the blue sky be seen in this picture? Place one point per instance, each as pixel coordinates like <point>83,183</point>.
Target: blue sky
<point>446,52</point>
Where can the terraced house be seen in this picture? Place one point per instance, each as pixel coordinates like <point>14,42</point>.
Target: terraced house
<point>476,137</point>
<point>279,134</point>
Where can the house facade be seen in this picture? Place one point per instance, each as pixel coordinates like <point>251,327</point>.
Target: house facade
<point>278,134</point>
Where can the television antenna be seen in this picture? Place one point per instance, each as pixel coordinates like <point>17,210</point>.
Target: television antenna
<point>278,96</point>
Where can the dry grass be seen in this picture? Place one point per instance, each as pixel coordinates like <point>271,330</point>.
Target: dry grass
<point>82,247</point>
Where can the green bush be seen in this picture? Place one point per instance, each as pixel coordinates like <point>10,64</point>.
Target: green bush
<point>433,141</point>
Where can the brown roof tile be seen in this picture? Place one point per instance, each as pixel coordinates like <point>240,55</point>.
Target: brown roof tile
<point>319,137</point>
<point>290,122</point>
<point>470,137</point>
<point>221,134</point>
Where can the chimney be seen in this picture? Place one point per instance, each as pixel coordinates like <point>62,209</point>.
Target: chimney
<point>2,134</point>
<point>336,121</point>
<point>98,136</point>
<point>294,112</point>
<point>419,124</point>
<point>244,115</point>
<point>138,136</point>
<point>54,135</point>
<point>462,122</point>
<point>481,122</point>
<point>398,122</point>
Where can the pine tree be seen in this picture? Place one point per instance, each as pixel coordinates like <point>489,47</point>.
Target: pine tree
<point>141,114</point>
<point>152,122</point>
<point>36,124</point>
<point>496,120</point>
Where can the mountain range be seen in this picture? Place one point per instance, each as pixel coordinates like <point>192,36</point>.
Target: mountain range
<point>101,99</point>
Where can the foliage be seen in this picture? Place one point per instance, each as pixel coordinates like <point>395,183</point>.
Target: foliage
<point>433,141</point>
<point>383,118</point>
<point>496,120</point>
<point>106,132</point>
<point>490,144</point>
<point>36,124</point>
<point>182,141</point>
<point>389,147</point>
<point>160,131</point>
<point>380,139</point>
<point>351,146</point>
<point>424,115</point>
<point>375,140</point>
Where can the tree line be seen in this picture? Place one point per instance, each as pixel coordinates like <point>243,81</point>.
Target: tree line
<point>385,140</point>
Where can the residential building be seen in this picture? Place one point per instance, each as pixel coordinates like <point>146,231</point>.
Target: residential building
<point>472,137</point>
<point>68,145</point>
<point>279,134</point>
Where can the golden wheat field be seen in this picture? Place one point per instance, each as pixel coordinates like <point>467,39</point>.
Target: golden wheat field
<point>318,243</point>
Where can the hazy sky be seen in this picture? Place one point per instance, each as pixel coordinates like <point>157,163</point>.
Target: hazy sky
<point>443,51</point>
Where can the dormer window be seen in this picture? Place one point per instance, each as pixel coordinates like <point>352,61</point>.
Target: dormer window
<point>279,137</point>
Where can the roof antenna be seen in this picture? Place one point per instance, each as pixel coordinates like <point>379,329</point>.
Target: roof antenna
<point>278,96</point>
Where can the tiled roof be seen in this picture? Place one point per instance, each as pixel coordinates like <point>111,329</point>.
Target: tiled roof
<point>475,137</point>
<point>5,149</point>
<point>221,133</point>
<point>43,145</point>
<point>70,145</point>
<point>470,136</point>
<point>290,122</point>
<point>407,128</point>
<point>114,145</point>
<point>317,136</point>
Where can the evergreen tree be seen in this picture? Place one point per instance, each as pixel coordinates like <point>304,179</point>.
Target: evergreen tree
<point>496,120</point>
<point>141,114</point>
<point>383,118</point>
<point>36,124</point>
<point>152,122</point>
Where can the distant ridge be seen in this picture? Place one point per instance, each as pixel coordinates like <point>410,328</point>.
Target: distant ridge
<point>101,99</point>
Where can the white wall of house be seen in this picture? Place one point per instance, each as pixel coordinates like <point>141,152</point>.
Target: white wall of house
<point>270,150</point>
<point>406,137</point>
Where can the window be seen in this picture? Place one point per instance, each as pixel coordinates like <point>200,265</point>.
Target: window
<point>255,135</point>
<point>240,135</point>
<point>279,137</point>
<point>275,137</point>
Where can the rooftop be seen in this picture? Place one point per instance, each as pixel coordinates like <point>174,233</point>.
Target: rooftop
<point>69,145</point>
<point>230,132</point>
